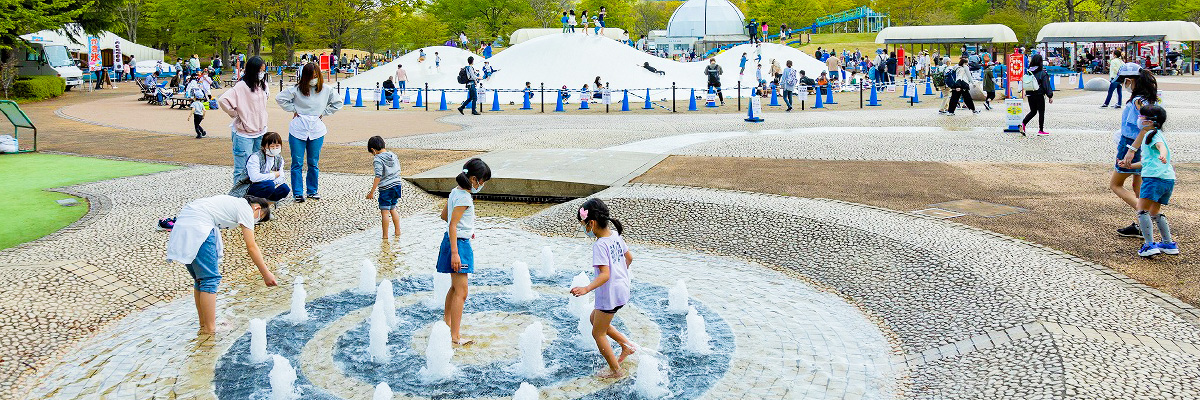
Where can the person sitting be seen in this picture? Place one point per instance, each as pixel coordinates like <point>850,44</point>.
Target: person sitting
<point>265,170</point>
<point>389,89</point>
<point>488,70</point>
<point>647,66</point>
<point>806,81</point>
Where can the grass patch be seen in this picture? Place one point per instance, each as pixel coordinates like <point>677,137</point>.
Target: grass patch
<point>28,211</point>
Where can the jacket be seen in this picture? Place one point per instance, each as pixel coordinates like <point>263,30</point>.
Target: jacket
<point>247,108</point>
<point>316,104</point>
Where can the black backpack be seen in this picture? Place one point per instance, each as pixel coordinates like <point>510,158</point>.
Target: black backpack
<point>462,76</point>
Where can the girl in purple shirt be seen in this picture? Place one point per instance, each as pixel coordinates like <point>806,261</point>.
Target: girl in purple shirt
<point>611,259</point>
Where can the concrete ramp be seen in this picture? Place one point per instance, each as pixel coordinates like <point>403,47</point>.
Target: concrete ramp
<point>548,174</point>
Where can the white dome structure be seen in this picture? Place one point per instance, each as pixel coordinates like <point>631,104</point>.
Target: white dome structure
<point>701,18</point>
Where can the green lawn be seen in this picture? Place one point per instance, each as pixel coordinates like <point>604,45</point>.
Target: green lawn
<point>28,211</point>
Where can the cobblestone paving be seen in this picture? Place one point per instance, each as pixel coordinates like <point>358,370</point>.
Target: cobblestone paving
<point>959,298</point>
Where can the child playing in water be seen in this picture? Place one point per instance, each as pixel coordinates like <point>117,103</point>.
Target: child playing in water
<point>387,181</point>
<point>611,259</point>
<point>1158,182</point>
<point>455,257</point>
<point>195,241</point>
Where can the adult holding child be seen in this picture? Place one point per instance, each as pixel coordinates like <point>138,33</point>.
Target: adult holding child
<point>309,102</point>
<point>246,103</point>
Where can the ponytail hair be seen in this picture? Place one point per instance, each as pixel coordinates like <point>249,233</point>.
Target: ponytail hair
<point>262,204</point>
<point>595,210</point>
<point>474,167</point>
<point>1155,114</point>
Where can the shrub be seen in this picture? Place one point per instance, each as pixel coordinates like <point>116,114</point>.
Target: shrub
<point>38,87</point>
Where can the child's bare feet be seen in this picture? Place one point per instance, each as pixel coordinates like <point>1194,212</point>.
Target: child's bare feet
<point>464,342</point>
<point>626,350</point>
<point>610,374</point>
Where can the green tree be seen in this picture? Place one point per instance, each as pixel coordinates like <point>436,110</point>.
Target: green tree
<point>490,17</point>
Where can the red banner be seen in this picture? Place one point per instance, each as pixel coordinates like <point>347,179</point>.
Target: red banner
<point>325,63</point>
<point>94,54</point>
<point>1016,69</point>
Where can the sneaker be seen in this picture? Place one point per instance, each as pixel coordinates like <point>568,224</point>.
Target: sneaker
<point>298,199</point>
<point>976,111</point>
<point>1130,231</point>
<point>1043,133</point>
<point>948,114</point>
<point>1022,129</point>
<point>1118,106</point>
<point>314,196</point>
<point>987,106</point>
<point>943,112</point>
<point>1169,248</point>
<point>1104,106</point>
<point>1148,249</point>
<point>166,224</point>
<point>460,111</point>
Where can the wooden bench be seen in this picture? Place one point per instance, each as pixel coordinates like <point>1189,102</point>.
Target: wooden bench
<point>180,100</point>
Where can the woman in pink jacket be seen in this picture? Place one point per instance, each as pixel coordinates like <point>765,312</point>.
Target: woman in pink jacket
<point>246,103</point>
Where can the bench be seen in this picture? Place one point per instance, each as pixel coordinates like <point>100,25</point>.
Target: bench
<point>179,100</point>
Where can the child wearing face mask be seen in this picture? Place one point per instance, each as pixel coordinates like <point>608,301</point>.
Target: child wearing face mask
<point>610,259</point>
<point>455,256</point>
<point>265,168</point>
<point>1158,182</point>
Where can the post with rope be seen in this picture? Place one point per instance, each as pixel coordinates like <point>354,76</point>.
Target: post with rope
<point>673,101</point>
<point>542,92</point>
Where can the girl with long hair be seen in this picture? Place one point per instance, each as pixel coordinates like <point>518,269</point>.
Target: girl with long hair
<point>309,101</point>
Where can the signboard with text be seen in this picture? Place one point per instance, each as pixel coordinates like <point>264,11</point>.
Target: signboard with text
<point>94,63</point>
<point>1016,68</point>
<point>325,63</point>
<point>117,56</point>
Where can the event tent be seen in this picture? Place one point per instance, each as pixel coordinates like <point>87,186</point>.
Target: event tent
<point>76,40</point>
<point>946,34</point>
<point>1151,31</point>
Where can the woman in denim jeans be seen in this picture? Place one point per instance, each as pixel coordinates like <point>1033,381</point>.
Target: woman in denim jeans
<point>309,101</point>
<point>246,103</point>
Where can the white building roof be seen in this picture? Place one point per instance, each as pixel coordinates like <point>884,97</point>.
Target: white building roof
<point>107,40</point>
<point>1175,31</point>
<point>698,18</point>
<point>993,33</point>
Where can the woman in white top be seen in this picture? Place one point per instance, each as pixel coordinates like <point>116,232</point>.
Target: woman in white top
<point>309,101</point>
<point>265,168</point>
<point>196,242</point>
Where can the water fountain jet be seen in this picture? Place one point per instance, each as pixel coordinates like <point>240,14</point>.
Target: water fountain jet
<point>382,392</point>
<point>526,392</point>
<point>298,314</point>
<point>578,306</point>
<point>677,298</point>
<point>366,277</point>
<point>522,287</point>
<point>378,334</point>
<point>283,379</point>
<point>386,299</point>
<point>652,380</point>
<point>438,353</point>
<point>696,338</point>
<point>532,363</point>
<point>441,285</point>
<point>258,341</point>
<point>547,269</point>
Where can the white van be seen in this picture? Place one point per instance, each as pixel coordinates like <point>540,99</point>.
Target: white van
<point>46,57</point>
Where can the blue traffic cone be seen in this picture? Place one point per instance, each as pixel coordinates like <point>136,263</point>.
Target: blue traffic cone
<point>916,98</point>
<point>625,101</point>
<point>420,99</point>
<point>713,102</point>
<point>819,101</point>
<point>829,95</point>
<point>928,87</point>
<point>774,97</point>
<point>583,101</point>
<point>1052,79</point>
<point>358,99</point>
<point>525,103</point>
<point>750,117</point>
<point>692,101</point>
<point>647,106</point>
<point>382,98</point>
<point>495,100</point>
<point>1080,81</point>
<point>347,101</point>
<point>904,94</point>
<point>559,107</point>
<point>443,107</point>
<point>396,101</point>
<point>874,100</point>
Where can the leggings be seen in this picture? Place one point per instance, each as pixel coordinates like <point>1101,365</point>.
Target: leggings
<point>1037,105</point>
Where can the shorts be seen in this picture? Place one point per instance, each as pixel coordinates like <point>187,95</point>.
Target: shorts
<point>204,268</point>
<point>465,255</point>
<point>612,311</point>
<point>1121,150</point>
<point>1157,190</point>
<point>388,197</point>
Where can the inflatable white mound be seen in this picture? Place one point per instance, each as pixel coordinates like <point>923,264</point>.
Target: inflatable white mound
<point>575,59</point>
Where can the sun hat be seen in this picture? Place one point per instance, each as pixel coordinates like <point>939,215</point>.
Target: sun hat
<point>1129,70</point>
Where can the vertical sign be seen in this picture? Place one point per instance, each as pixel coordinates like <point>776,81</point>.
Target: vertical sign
<point>1012,103</point>
<point>900,58</point>
<point>1015,68</point>
<point>117,56</point>
<point>94,63</point>
<point>325,63</point>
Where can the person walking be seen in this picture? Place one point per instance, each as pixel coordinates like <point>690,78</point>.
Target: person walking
<point>1114,84</point>
<point>246,103</point>
<point>571,22</point>
<point>752,30</point>
<point>1143,91</point>
<point>834,65</point>
<point>469,77</point>
<point>401,78</point>
<point>788,84</point>
<point>713,72</point>
<point>1037,96</point>
<point>309,102</point>
<point>960,87</point>
<point>989,87</point>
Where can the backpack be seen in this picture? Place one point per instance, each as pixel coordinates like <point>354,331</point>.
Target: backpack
<point>1030,83</point>
<point>462,76</point>
<point>950,78</point>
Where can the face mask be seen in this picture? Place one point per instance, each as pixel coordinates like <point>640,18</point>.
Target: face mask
<point>312,82</point>
<point>477,190</point>
<point>590,235</point>
<point>262,76</point>
<point>273,152</point>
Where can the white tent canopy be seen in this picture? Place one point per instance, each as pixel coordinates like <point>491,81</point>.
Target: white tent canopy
<point>699,18</point>
<point>107,40</point>
<point>1174,31</point>
<point>521,35</point>
<point>993,33</point>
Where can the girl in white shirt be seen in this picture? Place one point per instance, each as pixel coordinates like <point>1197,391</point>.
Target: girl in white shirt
<point>196,242</point>
<point>456,257</point>
<point>265,168</point>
